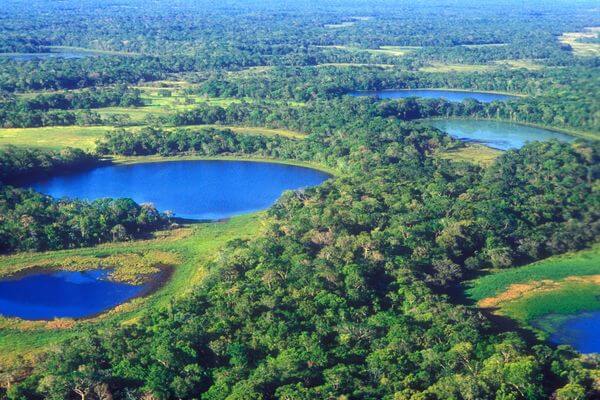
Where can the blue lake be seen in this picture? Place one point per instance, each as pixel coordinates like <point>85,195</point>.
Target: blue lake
<point>202,190</point>
<point>62,294</point>
<point>449,95</point>
<point>48,55</point>
<point>580,331</point>
<point>498,135</point>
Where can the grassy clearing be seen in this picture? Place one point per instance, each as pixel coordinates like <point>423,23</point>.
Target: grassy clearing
<point>582,263</point>
<point>567,298</point>
<point>54,137</point>
<point>247,130</point>
<point>345,24</point>
<point>397,51</point>
<point>580,48</point>
<point>542,294</point>
<point>85,137</point>
<point>441,67</point>
<point>195,246</point>
<point>358,65</point>
<point>473,153</point>
<point>519,64</point>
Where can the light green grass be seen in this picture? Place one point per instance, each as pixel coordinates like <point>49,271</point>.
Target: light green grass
<point>586,262</point>
<point>85,137</point>
<point>519,64</point>
<point>54,137</point>
<point>542,294</point>
<point>582,49</point>
<point>195,246</point>
<point>473,153</point>
<point>396,51</point>
<point>571,298</point>
<point>346,65</point>
<point>453,68</point>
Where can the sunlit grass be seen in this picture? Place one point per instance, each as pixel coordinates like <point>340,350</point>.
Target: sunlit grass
<point>473,153</point>
<point>441,67</point>
<point>54,137</point>
<point>582,49</point>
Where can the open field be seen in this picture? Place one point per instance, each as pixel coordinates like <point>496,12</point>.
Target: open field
<point>518,64</point>
<point>580,48</point>
<point>85,137</point>
<point>473,153</point>
<point>358,65</point>
<point>194,245</point>
<point>558,286</point>
<point>386,50</point>
<point>345,24</point>
<point>582,263</point>
<point>54,137</point>
<point>452,68</point>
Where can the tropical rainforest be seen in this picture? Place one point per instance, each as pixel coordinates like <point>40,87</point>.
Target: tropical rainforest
<point>352,289</point>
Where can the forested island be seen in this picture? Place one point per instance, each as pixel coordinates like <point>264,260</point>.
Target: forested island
<point>299,200</point>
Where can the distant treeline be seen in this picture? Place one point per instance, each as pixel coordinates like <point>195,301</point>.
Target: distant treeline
<point>52,109</point>
<point>561,97</point>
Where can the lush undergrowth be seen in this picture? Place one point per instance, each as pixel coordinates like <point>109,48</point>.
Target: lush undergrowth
<point>194,247</point>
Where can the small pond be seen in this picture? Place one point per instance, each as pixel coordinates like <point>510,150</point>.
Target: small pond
<point>498,135</point>
<point>63,294</point>
<point>581,331</point>
<point>449,95</point>
<point>201,190</point>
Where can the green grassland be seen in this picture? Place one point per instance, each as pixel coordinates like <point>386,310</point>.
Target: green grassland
<point>541,294</point>
<point>581,48</point>
<point>85,137</point>
<point>397,51</point>
<point>473,153</point>
<point>436,67</point>
<point>571,298</point>
<point>53,137</point>
<point>585,262</point>
<point>357,65</point>
<point>193,246</point>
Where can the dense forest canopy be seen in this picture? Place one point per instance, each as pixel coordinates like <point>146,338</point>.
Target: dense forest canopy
<point>352,289</point>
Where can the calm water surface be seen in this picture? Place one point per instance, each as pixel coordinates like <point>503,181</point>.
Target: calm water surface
<point>498,135</point>
<point>191,189</point>
<point>45,56</point>
<point>450,95</point>
<point>580,331</point>
<point>62,294</point>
